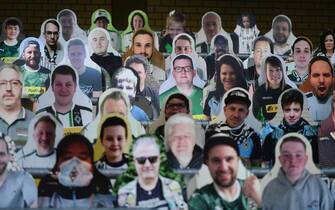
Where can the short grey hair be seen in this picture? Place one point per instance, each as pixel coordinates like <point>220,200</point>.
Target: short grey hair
<point>14,67</point>
<point>145,141</point>
<point>138,59</point>
<point>179,118</point>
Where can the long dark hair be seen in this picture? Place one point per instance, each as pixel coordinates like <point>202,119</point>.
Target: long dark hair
<point>238,70</point>
<point>322,40</point>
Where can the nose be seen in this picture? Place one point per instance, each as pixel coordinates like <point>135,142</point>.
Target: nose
<point>147,163</point>
<point>321,79</point>
<point>44,136</point>
<point>8,86</point>
<point>223,165</point>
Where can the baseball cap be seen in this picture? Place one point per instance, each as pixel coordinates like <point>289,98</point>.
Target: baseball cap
<point>237,94</point>
<point>219,139</point>
<point>101,14</point>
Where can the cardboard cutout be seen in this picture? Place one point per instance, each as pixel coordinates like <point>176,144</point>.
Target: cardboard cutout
<point>103,15</point>
<point>12,164</point>
<point>246,31</point>
<point>127,34</point>
<point>282,42</point>
<point>79,114</point>
<point>265,99</point>
<point>184,77</point>
<point>9,49</point>
<point>35,76</point>
<point>70,29</point>
<point>310,166</point>
<point>232,69</point>
<point>90,131</point>
<point>28,156</point>
<point>54,36</point>
<point>201,40</point>
<point>201,64</point>
<point>90,78</point>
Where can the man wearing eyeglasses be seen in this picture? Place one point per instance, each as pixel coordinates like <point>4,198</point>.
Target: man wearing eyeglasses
<point>53,49</point>
<point>14,119</point>
<point>150,190</point>
<point>183,74</point>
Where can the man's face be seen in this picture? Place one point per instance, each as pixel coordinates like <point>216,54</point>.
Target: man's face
<point>183,47</point>
<point>302,54</point>
<point>293,158</point>
<point>137,22</point>
<point>183,72</point>
<point>32,56</point>
<point>139,68</point>
<point>76,149</point>
<point>220,47</point>
<point>211,26</point>
<point>281,32</point>
<point>101,23</point>
<point>114,141</point>
<point>321,79</point>
<point>175,28</point>
<point>175,106</point>
<point>292,113</point>
<point>10,88</point>
<point>235,113</point>
<point>99,42</point>
<point>127,86</point>
<point>114,106</point>
<point>143,45</point>
<point>227,76</point>
<point>67,22</point>
<point>147,170</point>
<point>12,32</point>
<point>77,56</point>
<point>4,157</point>
<point>182,140</point>
<point>64,89</point>
<point>261,49</point>
<point>222,164</point>
<point>274,76</point>
<point>51,34</point>
<point>44,136</point>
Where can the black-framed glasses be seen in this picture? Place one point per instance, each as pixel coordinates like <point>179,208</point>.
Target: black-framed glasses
<point>176,106</point>
<point>142,160</point>
<point>55,33</point>
<point>185,69</point>
<point>13,83</point>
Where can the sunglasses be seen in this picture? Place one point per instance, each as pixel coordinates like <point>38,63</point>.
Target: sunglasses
<point>142,160</point>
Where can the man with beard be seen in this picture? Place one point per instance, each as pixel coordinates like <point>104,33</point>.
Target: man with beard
<point>35,76</point>
<point>292,103</point>
<point>282,29</point>
<point>236,110</point>
<point>143,44</point>
<point>17,188</point>
<point>321,79</point>
<point>53,49</point>
<point>221,155</point>
<point>14,118</point>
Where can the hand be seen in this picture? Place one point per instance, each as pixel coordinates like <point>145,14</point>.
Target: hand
<point>252,189</point>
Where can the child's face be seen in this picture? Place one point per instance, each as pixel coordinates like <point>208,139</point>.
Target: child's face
<point>246,21</point>
<point>12,31</point>
<point>175,28</point>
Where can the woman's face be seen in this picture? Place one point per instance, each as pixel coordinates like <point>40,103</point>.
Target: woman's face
<point>329,42</point>
<point>137,22</point>
<point>274,76</point>
<point>227,77</point>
